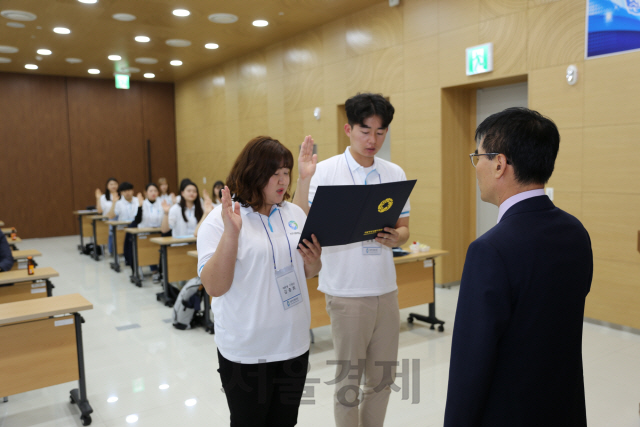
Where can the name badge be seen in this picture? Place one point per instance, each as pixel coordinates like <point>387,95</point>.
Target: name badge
<point>289,287</point>
<point>371,247</point>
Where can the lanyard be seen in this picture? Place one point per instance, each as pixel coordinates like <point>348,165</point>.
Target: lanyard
<point>365,178</point>
<point>273,252</point>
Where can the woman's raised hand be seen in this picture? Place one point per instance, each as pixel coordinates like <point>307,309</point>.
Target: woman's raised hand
<point>98,193</point>
<point>230,212</point>
<point>165,206</point>
<point>140,199</point>
<point>307,160</point>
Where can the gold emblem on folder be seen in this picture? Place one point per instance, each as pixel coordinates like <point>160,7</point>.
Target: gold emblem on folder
<point>385,205</point>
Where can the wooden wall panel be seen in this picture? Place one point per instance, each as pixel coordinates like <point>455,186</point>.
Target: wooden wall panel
<point>158,117</point>
<point>35,176</point>
<point>107,136</point>
<point>414,54</point>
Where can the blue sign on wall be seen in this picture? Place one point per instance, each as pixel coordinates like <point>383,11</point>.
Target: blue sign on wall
<point>613,26</point>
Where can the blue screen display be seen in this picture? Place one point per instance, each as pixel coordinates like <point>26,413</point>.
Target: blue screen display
<point>612,26</point>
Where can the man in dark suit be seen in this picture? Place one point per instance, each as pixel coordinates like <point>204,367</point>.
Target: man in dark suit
<point>516,356</point>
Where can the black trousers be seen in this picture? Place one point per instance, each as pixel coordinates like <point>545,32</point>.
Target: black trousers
<point>264,394</point>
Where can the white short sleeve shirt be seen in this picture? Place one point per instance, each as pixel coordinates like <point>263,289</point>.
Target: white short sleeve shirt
<point>250,320</point>
<point>151,214</point>
<point>105,204</point>
<point>126,211</point>
<point>180,228</point>
<point>346,271</point>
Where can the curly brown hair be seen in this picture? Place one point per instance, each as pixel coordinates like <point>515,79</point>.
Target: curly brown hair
<point>258,161</point>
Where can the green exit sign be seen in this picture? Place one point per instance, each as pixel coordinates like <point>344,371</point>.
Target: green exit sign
<point>480,59</point>
<point>122,81</point>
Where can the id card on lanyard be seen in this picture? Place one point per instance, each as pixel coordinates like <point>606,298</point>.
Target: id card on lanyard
<point>286,279</point>
<point>369,247</point>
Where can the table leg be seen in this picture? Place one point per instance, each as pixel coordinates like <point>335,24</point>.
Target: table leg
<point>79,396</point>
<point>164,295</point>
<point>115,265</point>
<point>432,319</point>
<point>81,247</point>
<point>95,241</point>
<point>135,276</point>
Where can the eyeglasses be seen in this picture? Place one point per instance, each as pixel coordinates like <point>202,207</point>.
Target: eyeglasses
<point>476,156</point>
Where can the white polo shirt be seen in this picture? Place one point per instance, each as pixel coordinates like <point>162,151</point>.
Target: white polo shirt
<point>251,322</point>
<point>179,228</point>
<point>346,271</point>
<point>126,211</point>
<point>151,214</point>
<point>105,204</point>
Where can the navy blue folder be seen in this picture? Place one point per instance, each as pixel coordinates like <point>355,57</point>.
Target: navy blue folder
<point>343,214</point>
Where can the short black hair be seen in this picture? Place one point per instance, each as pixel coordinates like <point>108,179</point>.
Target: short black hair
<point>364,105</point>
<point>125,186</point>
<point>151,184</point>
<point>529,141</point>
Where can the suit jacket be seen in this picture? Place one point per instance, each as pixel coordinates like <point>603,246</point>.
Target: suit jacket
<point>516,355</point>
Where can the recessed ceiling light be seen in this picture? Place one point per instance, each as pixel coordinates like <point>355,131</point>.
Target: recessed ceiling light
<point>88,1</point>
<point>190,402</point>
<point>31,67</point>
<point>18,15</point>
<point>132,418</point>
<point>93,71</point>
<point>181,12</point>
<point>223,18</point>
<point>211,46</point>
<point>149,75</point>
<point>144,60</point>
<point>124,17</point>
<point>73,60</point>
<point>178,42</point>
<point>163,386</point>
<point>112,399</point>
<point>142,39</point>
<point>4,60</point>
<point>175,62</point>
<point>260,23</point>
<point>114,57</point>
<point>15,25</point>
<point>8,49</point>
<point>44,52</point>
<point>61,30</point>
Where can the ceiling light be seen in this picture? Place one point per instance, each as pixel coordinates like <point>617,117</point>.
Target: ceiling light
<point>132,418</point>
<point>175,62</point>
<point>88,1</point>
<point>44,52</point>
<point>61,30</point>
<point>211,46</point>
<point>142,39</point>
<point>114,57</point>
<point>93,71</point>
<point>163,386</point>
<point>73,60</point>
<point>8,49</point>
<point>18,15</point>
<point>178,43</point>
<point>190,402</point>
<point>149,75</point>
<point>4,60</point>
<point>223,18</point>
<point>144,60</point>
<point>181,12</point>
<point>15,25</point>
<point>260,23</point>
<point>31,67</point>
<point>124,17</point>
<point>112,399</point>
<point>129,70</point>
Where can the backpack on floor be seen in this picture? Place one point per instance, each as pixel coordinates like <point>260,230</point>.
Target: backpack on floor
<point>187,303</point>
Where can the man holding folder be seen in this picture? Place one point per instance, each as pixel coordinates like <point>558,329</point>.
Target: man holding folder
<point>359,279</point>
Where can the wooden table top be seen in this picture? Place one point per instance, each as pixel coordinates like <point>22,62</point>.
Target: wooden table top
<point>143,230</point>
<point>13,241</point>
<point>172,240</point>
<point>20,311</point>
<point>15,276</point>
<point>413,257</point>
<point>98,217</point>
<point>6,231</point>
<point>85,212</point>
<point>115,222</point>
<point>24,254</point>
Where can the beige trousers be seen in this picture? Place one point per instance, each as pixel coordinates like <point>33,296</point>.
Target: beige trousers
<point>365,337</point>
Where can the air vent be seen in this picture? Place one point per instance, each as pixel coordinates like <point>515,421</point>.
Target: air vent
<point>8,49</point>
<point>223,18</point>
<point>144,60</point>
<point>126,17</point>
<point>18,15</point>
<point>178,43</point>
